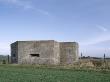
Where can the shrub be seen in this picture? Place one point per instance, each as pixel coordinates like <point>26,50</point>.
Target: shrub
<point>4,62</point>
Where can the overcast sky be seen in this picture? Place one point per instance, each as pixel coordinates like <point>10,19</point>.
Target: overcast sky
<point>84,21</point>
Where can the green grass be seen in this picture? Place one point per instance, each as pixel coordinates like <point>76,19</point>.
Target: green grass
<point>10,73</point>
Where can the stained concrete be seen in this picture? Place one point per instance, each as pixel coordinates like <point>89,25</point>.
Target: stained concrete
<point>47,52</point>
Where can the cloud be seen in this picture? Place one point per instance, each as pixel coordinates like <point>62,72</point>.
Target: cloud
<point>104,36</point>
<point>43,12</point>
<point>91,46</point>
<point>4,48</point>
<point>102,28</point>
<point>19,3</point>
<point>97,39</point>
<point>26,5</point>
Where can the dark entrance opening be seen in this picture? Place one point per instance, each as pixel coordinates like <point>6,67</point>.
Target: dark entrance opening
<point>14,55</point>
<point>35,55</point>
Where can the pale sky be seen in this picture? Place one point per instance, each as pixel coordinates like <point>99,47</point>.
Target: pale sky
<point>83,21</point>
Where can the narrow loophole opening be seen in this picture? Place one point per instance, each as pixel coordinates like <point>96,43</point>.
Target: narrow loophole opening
<point>35,55</point>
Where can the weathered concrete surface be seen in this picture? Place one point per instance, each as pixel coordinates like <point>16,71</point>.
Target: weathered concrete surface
<point>14,52</point>
<point>47,52</point>
<point>68,52</point>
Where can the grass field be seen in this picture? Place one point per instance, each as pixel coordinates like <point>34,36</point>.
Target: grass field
<point>9,73</point>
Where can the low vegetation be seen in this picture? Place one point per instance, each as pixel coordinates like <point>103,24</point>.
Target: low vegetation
<point>83,71</point>
<point>16,73</point>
